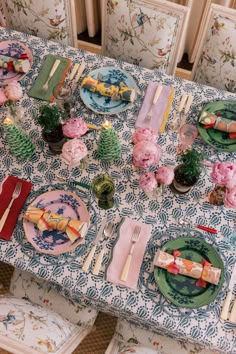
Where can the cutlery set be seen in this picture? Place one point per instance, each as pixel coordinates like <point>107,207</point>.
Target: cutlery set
<point>181,112</point>
<point>225,314</point>
<point>105,232</point>
<point>74,76</point>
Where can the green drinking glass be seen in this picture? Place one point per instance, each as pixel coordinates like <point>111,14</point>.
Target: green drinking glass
<point>103,188</point>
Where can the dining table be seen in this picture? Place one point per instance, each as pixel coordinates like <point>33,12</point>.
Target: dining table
<point>144,305</point>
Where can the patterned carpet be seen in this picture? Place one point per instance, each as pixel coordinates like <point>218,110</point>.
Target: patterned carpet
<point>95,343</point>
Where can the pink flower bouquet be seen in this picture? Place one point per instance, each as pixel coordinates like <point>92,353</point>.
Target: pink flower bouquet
<point>165,175</point>
<point>144,134</point>
<point>230,197</point>
<point>73,151</point>
<point>224,173</point>
<point>147,181</point>
<point>146,154</point>
<point>13,91</point>
<point>74,128</point>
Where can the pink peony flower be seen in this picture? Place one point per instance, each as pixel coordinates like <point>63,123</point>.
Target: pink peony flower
<point>74,128</point>
<point>230,197</point>
<point>144,134</point>
<point>73,151</point>
<point>147,181</point>
<point>165,175</point>
<point>3,97</point>
<point>146,154</point>
<point>13,91</point>
<point>224,173</point>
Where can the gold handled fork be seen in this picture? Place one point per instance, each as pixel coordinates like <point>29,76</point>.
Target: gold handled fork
<point>134,239</point>
<point>52,72</point>
<point>15,195</point>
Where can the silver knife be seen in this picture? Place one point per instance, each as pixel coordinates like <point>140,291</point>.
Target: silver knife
<point>226,305</point>
<point>89,257</point>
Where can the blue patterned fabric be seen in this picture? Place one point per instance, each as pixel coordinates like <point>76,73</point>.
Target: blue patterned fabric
<point>145,306</point>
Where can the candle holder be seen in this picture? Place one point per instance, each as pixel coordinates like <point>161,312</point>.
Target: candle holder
<point>104,189</point>
<point>20,145</point>
<point>109,148</point>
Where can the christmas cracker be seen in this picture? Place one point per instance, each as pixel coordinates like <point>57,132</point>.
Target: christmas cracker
<point>123,93</point>
<point>46,221</point>
<point>18,65</point>
<point>203,272</point>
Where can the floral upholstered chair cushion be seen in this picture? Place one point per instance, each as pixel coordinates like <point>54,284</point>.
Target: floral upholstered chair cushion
<point>50,19</point>
<point>215,64</point>
<point>129,338</point>
<point>30,325</point>
<point>39,291</point>
<point>146,34</point>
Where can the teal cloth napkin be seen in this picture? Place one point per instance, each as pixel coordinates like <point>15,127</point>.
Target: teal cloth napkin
<point>57,79</point>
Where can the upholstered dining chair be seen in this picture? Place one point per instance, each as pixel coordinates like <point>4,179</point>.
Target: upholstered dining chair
<point>129,338</point>
<point>148,33</point>
<point>35,318</point>
<point>50,19</point>
<point>215,63</point>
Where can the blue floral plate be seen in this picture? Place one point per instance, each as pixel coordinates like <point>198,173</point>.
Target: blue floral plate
<point>13,49</point>
<point>53,241</point>
<point>105,105</point>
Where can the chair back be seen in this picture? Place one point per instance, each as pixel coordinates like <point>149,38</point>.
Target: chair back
<point>215,63</point>
<point>43,19</point>
<point>148,33</point>
<point>27,328</point>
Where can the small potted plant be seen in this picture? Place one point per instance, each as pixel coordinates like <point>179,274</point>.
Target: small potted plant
<point>188,171</point>
<point>49,119</point>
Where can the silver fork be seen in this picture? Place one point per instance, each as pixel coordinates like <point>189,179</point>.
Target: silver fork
<point>134,239</point>
<point>52,72</point>
<point>15,195</point>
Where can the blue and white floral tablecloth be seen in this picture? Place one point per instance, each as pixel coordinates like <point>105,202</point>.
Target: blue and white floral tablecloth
<point>145,306</point>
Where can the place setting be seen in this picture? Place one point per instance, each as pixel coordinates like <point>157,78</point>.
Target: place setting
<point>16,60</point>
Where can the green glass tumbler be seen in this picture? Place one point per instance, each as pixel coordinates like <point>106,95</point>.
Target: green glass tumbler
<point>103,188</point>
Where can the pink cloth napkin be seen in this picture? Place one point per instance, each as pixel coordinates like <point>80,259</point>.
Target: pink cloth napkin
<point>158,110</point>
<point>121,251</point>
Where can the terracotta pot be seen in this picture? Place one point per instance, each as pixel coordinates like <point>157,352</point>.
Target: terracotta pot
<point>55,140</point>
<point>217,195</point>
<point>180,185</point>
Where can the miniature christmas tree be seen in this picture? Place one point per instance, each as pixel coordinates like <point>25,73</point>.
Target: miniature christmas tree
<point>109,148</point>
<point>20,145</point>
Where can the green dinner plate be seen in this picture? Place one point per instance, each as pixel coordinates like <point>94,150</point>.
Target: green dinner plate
<point>181,290</point>
<point>219,140</point>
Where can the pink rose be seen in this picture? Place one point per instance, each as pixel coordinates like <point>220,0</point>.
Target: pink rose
<point>144,134</point>
<point>147,181</point>
<point>224,173</point>
<point>73,151</point>
<point>74,128</point>
<point>146,154</point>
<point>13,91</point>
<point>165,175</point>
<point>3,97</point>
<point>230,197</point>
